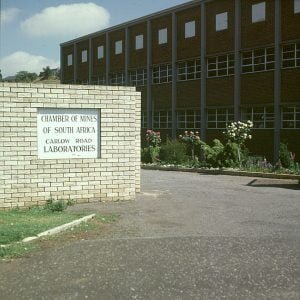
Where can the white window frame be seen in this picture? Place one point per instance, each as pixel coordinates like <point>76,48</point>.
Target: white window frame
<point>139,42</point>
<point>258,60</point>
<point>290,115</point>
<point>296,6</point>
<point>70,59</point>
<point>162,74</point>
<point>190,29</point>
<point>258,12</point>
<point>187,117</point>
<point>222,65</point>
<point>261,117</point>
<point>162,119</point>
<point>144,119</point>
<point>117,78</point>
<point>100,52</point>
<point>163,36</point>
<point>189,69</point>
<point>138,77</point>
<point>118,47</point>
<point>219,118</point>
<point>84,56</point>
<point>222,21</point>
<point>291,55</point>
<point>99,80</point>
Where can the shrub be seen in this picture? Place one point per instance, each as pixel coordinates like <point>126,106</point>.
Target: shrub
<point>58,205</point>
<point>192,140</point>
<point>212,153</point>
<point>153,138</point>
<point>285,156</point>
<point>173,152</point>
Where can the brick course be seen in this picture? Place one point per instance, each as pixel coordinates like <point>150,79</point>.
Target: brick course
<point>27,180</point>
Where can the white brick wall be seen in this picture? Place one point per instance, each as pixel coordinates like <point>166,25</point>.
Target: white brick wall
<point>26,180</point>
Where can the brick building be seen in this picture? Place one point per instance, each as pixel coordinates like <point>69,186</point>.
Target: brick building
<point>203,64</point>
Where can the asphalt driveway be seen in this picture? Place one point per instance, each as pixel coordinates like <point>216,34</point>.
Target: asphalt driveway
<point>187,236</point>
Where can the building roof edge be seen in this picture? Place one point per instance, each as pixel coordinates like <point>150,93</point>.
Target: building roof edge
<point>135,21</point>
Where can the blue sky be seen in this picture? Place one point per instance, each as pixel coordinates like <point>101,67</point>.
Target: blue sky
<point>31,30</point>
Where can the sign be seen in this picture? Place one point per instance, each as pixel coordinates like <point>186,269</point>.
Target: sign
<point>68,133</point>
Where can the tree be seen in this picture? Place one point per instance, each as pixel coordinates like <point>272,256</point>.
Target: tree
<point>46,72</point>
<point>24,76</point>
<point>0,76</point>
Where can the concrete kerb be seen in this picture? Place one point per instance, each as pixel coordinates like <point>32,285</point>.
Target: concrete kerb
<point>223,172</point>
<point>57,229</point>
<point>60,228</point>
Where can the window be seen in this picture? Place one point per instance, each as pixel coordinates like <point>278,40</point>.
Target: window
<point>99,80</point>
<point>84,56</point>
<point>219,118</point>
<point>138,77</point>
<point>291,55</point>
<point>258,12</point>
<point>188,119</point>
<point>162,74</point>
<point>296,6</point>
<point>117,78</point>
<point>144,119</point>
<point>258,60</point>
<point>139,42</point>
<point>222,65</point>
<point>118,47</point>
<point>70,59</point>
<point>261,117</point>
<point>100,52</point>
<point>163,36</point>
<point>162,119</point>
<point>189,29</point>
<point>189,70</point>
<point>221,21</point>
<point>290,116</point>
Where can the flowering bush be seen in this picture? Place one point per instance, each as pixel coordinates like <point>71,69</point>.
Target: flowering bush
<point>239,132</point>
<point>153,138</point>
<point>192,139</point>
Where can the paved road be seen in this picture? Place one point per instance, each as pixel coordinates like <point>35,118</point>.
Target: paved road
<point>187,236</point>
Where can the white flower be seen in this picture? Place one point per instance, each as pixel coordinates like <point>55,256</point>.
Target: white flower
<point>250,136</point>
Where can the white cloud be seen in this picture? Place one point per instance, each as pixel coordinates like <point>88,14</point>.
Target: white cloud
<point>67,21</point>
<point>8,15</point>
<point>23,61</point>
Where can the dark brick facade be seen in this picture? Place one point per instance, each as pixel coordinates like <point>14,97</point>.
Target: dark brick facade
<point>170,75</point>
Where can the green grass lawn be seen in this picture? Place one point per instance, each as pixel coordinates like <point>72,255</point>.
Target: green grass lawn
<point>16,225</point>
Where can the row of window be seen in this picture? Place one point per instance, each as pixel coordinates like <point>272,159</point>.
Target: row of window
<point>221,23</point>
<point>219,118</point>
<point>256,60</point>
<point>252,61</point>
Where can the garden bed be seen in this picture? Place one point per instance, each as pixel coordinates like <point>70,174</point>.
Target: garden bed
<point>230,172</point>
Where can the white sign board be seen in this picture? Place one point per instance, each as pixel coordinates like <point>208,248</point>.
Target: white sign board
<point>68,133</point>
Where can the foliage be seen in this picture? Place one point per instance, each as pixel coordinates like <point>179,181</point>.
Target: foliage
<point>238,132</point>
<point>191,139</point>
<point>57,206</point>
<point>153,138</point>
<point>174,152</point>
<point>24,76</point>
<point>212,153</point>
<point>0,76</point>
<point>152,151</point>
<point>286,157</point>
<point>146,156</point>
<point>46,73</point>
